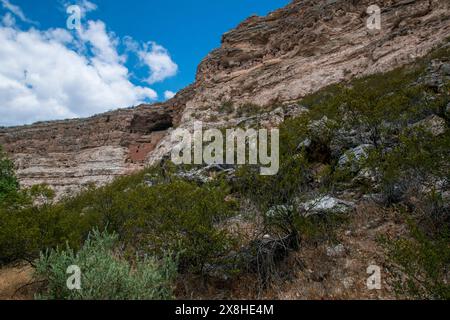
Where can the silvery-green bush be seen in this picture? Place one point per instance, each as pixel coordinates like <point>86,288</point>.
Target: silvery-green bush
<point>104,276</point>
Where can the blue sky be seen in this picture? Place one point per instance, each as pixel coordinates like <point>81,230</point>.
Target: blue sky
<point>133,50</point>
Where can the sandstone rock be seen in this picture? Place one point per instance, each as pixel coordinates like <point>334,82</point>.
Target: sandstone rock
<point>352,158</point>
<point>336,251</point>
<point>294,110</point>
<point>433,124</point>
<point>324,205</point>
<point>207,173</point>
<point>305,46</point>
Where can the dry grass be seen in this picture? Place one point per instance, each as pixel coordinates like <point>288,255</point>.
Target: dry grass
<point>16,282</point>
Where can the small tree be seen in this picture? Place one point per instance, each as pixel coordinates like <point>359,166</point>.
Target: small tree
<point>8,181</point>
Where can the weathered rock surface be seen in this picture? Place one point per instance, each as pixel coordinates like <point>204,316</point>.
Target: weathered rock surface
<point>272,60</point>
<point>433,124</point>
<point>324,205</point>
<point>73,153</point>
<point>310,44</point>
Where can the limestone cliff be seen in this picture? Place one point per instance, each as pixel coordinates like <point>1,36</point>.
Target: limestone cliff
<point>73,153</point>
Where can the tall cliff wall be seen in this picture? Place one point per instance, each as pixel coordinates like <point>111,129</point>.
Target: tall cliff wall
<point>73,153</point>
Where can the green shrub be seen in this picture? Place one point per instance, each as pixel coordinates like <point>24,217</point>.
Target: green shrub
<point>8,181</point>
<point>173,215</point>
<point>320,228</point>
<point>227,107</point>
<point>268,191</point>
<point>180,217</point>
<point>421,262</point>
<point>104,275</point>
<point>28,229</point>
<point>416,158</point>
<point>22,222</point>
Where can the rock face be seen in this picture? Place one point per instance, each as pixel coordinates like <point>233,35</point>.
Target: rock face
<point>269,60</point>
<point>310,44</point>
<point>73,153</point>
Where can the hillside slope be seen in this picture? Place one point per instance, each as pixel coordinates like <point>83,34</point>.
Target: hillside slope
<point>364,182</point>
<point>290,53</point>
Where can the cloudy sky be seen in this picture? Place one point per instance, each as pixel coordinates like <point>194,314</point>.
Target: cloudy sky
<point>118,54</point>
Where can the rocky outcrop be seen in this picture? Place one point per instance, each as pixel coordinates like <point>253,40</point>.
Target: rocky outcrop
<point>73,153</point>
<point>324,205</point>
<point>301,48</point>
<point>310,44</point>
<point>265,61</point>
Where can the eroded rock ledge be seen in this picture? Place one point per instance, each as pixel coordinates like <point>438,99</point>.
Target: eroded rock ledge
<point>70,154</point>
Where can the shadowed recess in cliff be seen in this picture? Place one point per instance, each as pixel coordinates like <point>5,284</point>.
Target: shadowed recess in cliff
<point>155,119</point>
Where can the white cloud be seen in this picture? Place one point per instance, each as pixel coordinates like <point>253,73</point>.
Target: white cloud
<point>55,74</point>
<point>41,78</point>
<point>169,94</point>
<point>159,62</point>
<point>85,6</point>
<point>103,45</point>
<point>131,45</point>
<point>8,20</point>
<point>16,10</point>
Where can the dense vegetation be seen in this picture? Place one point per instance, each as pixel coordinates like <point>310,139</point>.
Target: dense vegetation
<point>158,214</point>
<point>407,168</point>
<point>106,275</point>
<point>8,181</point>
